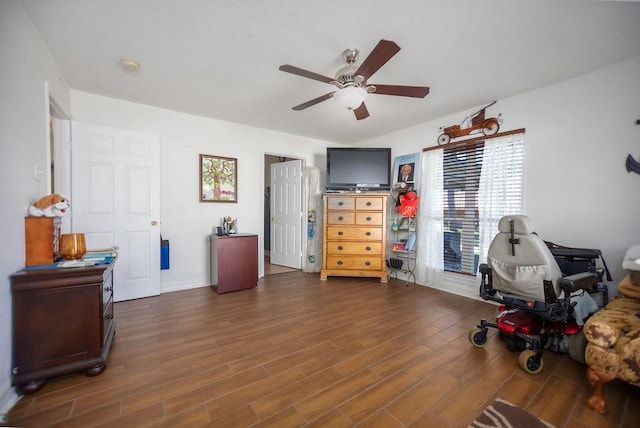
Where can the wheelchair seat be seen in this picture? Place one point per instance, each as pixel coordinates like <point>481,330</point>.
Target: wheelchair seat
<point>521,263</point>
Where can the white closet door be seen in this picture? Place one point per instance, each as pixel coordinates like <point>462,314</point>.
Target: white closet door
<point>286,214</point>
<point>115,201</point>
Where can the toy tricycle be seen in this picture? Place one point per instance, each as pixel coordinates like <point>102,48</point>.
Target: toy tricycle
<point>472,124</point>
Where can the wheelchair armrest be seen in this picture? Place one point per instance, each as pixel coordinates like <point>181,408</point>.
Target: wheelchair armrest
<point>578,281</point>
<point>484,268</point>
<point>486,286</point>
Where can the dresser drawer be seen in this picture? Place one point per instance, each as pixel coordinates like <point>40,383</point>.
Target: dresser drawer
<point>340,203</point>
<point>354,262</point>
<point>365,219</point>
<point>340,217</point>
<point>372,203</point>
<point>354,248</point>
<point>354,233</point>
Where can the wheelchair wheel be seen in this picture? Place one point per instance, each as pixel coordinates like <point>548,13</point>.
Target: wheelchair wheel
<point>528,363</point>
<point>577,347</point>
<point>477,337</point>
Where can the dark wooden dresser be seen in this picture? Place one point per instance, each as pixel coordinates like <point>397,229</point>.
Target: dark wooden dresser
<point>234,262</point>
<point>62,322</point>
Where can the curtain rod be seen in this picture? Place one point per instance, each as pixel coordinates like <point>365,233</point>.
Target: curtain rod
<point>474,140</point>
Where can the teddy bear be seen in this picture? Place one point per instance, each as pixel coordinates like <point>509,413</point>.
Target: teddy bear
<point>53,205</point>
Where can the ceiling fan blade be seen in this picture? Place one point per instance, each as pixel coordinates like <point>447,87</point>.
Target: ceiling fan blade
<point>313,101</point>
<point>402,91</point>
<point>305,73</point>
<point>361,112</point>
<point>383,52</point>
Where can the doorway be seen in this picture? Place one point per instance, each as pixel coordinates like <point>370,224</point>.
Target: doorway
<point>286,256</point>
<point>59,157</point>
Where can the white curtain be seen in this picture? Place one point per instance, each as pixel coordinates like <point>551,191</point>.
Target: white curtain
<point>430,221</point>
<point>501,186</point>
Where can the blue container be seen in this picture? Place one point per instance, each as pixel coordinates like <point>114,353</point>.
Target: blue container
<point>164,254</point>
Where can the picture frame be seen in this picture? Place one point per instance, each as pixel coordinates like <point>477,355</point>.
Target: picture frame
<point>406,171</point>
<point>218,179</point>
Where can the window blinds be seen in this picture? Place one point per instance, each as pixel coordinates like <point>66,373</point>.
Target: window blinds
<point>482,182</point>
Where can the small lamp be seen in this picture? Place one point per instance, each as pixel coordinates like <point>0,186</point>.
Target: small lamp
<point>350,97</point>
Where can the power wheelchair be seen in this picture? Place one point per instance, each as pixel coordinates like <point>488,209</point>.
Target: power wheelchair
<point>540,307</point>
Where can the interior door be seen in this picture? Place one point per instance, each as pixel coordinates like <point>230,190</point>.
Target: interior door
<point>286,214</point>
<point>115,197</point>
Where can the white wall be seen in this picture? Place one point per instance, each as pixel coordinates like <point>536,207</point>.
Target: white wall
<point>26,70</point>
<point>578,135</point>
<point>186,221</point>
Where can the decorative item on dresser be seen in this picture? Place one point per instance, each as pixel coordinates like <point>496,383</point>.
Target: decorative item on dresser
<point>42,240</point>
<point>62,322</point>
<point>354,238</point>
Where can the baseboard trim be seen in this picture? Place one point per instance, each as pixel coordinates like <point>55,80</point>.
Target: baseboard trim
<point>182,286</point>
<point>455,284</point>
<point>8,399</point>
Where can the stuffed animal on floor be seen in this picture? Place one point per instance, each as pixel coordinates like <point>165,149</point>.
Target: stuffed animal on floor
<point>53,205</point>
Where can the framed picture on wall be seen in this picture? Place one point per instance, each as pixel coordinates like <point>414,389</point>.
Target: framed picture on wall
<point>406,170</point>
<point>218,179</point>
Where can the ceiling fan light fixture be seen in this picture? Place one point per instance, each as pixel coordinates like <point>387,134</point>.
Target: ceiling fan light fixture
<point>351,80</point>
<point>350,97</point>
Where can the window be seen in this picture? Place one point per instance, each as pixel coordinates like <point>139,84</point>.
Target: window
<point>482,182</point>
<point>461,177</point>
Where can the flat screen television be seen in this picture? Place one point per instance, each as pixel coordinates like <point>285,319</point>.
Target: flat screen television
<point>358,169</point>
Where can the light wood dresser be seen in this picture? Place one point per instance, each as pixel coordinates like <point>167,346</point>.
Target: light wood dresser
<point>354,238</point>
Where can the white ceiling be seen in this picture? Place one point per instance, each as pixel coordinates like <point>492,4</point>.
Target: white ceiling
<point>220,59</point>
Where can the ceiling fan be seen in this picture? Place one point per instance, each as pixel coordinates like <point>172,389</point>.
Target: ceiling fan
<point>351,80</point>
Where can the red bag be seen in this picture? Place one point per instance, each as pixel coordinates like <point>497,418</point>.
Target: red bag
<point>408,204</point>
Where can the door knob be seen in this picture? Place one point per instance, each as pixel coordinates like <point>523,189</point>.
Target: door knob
<point>154,223</point>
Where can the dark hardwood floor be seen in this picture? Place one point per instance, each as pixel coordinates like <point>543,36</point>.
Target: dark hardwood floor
<point>272,269</point>
<point>297,351</point>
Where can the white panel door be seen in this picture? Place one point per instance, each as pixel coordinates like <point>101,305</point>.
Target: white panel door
<point>286,214</point>
<point>115,201</point>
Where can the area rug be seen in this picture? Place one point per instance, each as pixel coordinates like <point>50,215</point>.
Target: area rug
<point>502,414</point>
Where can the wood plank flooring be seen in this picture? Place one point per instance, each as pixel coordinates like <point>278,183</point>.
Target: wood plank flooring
<point>271,269</point>
<point>297,351</point>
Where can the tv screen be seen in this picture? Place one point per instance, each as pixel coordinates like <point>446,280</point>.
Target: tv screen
<point>358,169</point>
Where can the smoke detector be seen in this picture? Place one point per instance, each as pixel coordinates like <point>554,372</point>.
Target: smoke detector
<point>129,65</point>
